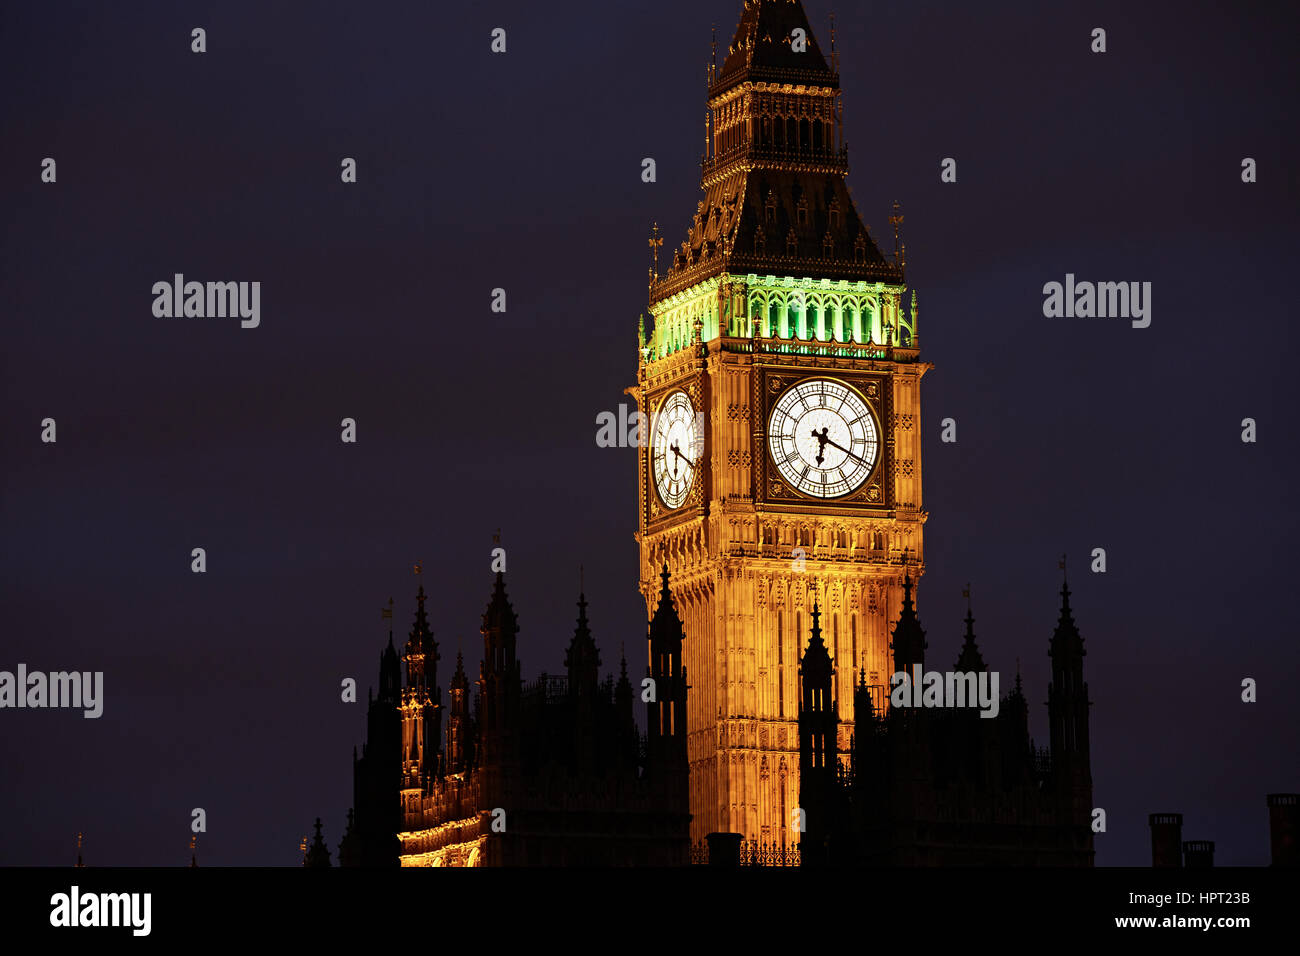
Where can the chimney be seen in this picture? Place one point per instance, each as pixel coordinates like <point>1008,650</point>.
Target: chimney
<point>1166,839</point>
<point>1198,853</point>
<point>1282,818</point>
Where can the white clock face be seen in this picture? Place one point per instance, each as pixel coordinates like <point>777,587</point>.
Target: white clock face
<point>676,444</point>
<point>823,438</point>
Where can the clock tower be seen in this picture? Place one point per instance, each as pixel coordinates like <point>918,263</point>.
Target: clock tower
<point>781,469</point>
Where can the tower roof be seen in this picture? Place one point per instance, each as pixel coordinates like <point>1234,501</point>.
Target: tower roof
<point>763,47</point>
<point>776,201</point>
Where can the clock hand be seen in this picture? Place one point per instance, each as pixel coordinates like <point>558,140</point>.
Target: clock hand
<point>835,444</point>
<point>822,439</point>
<point>675,451</point>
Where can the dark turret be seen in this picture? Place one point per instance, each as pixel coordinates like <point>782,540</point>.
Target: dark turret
<point>818,762</point>
<point>908,642</point>
<point>666,739</point>
<point>318,856</point>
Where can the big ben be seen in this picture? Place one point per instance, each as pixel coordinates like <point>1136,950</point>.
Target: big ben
<point>781,469</point>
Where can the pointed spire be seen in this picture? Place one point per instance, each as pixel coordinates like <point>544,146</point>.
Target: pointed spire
<point>816,625</point>
<point>583,657</point>
<point>816,663</point>
<point>1066,614</point>
<point>1066,640</point>
<point>318,856</point>
<point>908,638</point>
<point>499,610</point>
<point>970,658</point>
<point>390,673</point>
<point>666,611</point>
<point>459,680</point>
<point>421,650</point>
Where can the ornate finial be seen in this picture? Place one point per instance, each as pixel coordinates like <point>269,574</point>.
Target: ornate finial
<point>896,220</point>
<point>966,595</point>
<point>79,863</point>
<point>713,62</point>
<point>582,585</point>
<point>640,332</point>
<point>1065,590</point>
<point>496,536</point>
<point>656,240</point>
<point>419,567</point>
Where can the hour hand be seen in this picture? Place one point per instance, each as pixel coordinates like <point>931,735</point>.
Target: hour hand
<point>833,444</point>
<point>822,441</point>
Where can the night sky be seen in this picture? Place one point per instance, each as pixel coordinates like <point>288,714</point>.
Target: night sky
<point>522,171</point>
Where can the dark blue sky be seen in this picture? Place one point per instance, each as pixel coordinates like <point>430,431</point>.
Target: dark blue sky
<point>522,171</point>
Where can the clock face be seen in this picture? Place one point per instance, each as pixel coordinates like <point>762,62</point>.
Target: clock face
<point>676,444</point>
<point>823,438</point>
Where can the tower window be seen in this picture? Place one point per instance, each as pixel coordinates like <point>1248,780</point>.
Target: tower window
<point>780,665</point>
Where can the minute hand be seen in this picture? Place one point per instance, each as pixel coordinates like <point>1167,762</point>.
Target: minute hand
<point>834,444</point>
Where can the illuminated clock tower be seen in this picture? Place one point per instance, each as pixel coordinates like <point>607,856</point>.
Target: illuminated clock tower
<point>782,463</point>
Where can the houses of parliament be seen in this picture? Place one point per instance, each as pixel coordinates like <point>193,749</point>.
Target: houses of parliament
<point>781,544</point>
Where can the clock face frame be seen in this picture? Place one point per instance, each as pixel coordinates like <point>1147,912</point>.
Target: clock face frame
<point>823,438</point>
<point>676,445</point>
